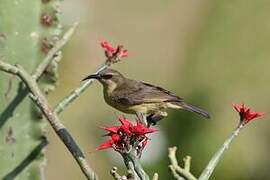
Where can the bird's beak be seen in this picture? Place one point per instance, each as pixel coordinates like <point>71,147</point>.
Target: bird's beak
<point>93,76</point>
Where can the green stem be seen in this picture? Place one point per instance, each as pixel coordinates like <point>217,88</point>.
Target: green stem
<point>207,172</point>
<point>132,157</point>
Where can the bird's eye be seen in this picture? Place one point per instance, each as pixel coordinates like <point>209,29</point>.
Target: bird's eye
<point>107,76</point>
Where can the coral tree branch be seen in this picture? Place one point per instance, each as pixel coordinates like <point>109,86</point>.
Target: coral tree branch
<point>178,172</point>
<point>40,100</point>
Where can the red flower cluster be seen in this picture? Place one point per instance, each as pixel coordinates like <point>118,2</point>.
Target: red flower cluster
<point>246,115</point>
<point>125,136</point>
<point>114,54</point>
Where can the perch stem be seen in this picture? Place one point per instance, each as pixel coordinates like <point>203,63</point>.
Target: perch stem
<point>207,172</point>
<point>130,158</point>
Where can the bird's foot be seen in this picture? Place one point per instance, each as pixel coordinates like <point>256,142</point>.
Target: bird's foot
<point>152,119</point>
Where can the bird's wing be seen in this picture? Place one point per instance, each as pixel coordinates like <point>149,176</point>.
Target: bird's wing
<point>142,92</point>
<point>154,93</point>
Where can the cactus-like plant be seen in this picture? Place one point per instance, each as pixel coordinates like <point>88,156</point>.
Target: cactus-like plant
<point>28,30</point>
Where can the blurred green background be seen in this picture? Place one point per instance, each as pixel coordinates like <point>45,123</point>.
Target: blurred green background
<point>212,53</point>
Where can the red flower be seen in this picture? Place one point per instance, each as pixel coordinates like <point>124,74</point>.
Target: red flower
<point>140,129</point>
<point>113,54</point>
<point>107,144</point>
<point>122,52</point>
<point>107,47</point>
<point>124,136</point>
<point>246,114</point>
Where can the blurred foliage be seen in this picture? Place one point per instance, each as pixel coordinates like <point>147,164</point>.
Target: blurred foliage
<point>226,62</point>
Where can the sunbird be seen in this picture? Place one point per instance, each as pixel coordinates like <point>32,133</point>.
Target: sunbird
<point>140,98</point>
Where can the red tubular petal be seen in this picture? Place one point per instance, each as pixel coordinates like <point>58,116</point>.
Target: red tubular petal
<point>253,115</point>
<point>142,130</point>
<point>126,130</point>
<point>112,129</point>
<point>144,143</point>
<point>237,107</point>
<point>110,51</point>
<point>115,138</point>
<point>107,47</point>
<point>124,122</point>
<point>149,130</point>
<point>123,53</point>
<point>105,145</point>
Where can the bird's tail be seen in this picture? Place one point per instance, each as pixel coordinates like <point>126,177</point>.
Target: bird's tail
<point>192,108</point>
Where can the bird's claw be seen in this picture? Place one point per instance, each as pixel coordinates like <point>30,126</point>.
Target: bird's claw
<point>152,119</point>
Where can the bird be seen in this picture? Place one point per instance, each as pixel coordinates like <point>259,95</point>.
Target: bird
<point>147,101</point>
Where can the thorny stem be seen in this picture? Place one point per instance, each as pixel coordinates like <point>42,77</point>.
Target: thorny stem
<point>76,93</point>
<point>178,172</point>
<point>40,100</point>
<point>207,172</point>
